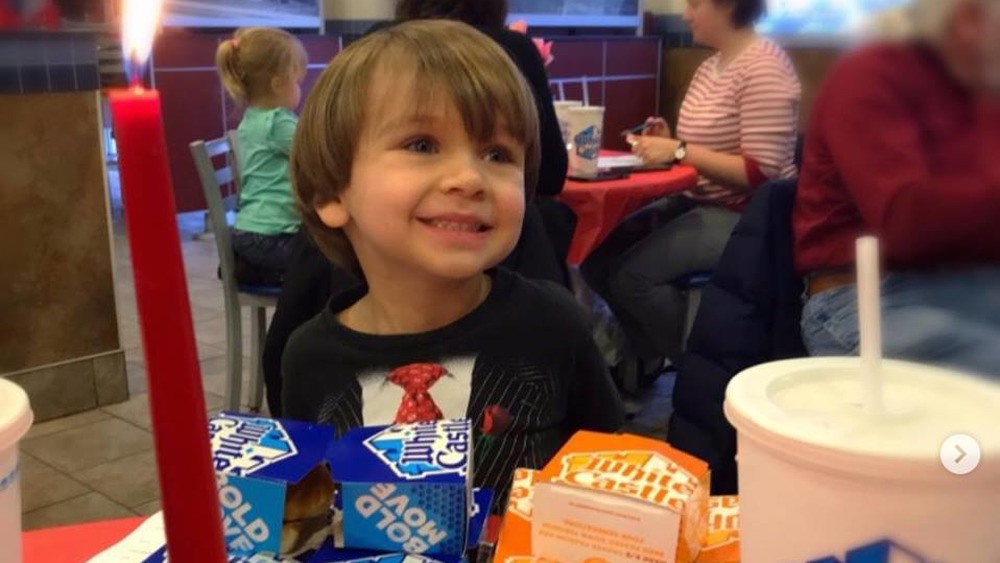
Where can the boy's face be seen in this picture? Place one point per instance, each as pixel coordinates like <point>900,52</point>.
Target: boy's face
<point>425,198</point>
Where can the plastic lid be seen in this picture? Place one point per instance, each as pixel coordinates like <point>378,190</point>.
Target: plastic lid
<point>815,402</point>
<point>15,413</point>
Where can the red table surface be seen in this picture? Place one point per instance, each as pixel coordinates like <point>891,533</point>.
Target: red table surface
<point>601,206</point>
<point>75,544</point>
<point>79,543</point>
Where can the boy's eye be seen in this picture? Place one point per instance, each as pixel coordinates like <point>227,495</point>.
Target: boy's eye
<point>499,154</point>
<point>421,145</point>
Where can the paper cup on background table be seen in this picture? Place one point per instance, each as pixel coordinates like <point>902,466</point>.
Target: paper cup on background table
<point>586,126</point>
<point>562,115</point>
<point>820,478</point>
<point>15,419</point>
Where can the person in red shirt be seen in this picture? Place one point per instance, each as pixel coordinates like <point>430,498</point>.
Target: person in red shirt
<point>904,143</point>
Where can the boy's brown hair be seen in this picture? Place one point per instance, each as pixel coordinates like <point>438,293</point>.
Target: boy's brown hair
<point>254,56</point>
<point>443,57</point>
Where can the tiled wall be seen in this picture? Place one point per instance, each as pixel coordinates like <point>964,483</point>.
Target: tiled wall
<point>48,62</point>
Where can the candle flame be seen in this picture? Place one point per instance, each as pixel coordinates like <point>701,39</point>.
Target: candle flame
<point>140,20</point>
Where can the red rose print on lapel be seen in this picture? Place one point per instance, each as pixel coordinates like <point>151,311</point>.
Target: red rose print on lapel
<point>496,423</point>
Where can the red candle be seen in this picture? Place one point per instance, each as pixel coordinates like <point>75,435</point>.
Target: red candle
<point>180,428</point>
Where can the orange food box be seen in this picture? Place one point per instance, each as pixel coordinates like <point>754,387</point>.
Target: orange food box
<point>722,545</point>
<point>620,498</point>
<point>514,543</point>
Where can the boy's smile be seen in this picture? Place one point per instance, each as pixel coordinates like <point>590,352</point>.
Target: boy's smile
<point>458,229</point>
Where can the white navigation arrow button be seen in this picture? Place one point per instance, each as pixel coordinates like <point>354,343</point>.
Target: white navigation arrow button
<point>960,454</point>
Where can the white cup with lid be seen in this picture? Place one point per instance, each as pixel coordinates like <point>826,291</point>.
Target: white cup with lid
<point>586,128</point>
<point>820,477</point>
<point>15,419</point>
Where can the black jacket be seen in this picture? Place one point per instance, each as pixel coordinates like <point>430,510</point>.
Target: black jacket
<point>749,314</point>
<point>554,161</point>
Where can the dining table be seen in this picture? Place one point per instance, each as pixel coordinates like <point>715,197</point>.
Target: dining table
<point>601,205</point>
<point>79,543</point>
<point>76,543</point>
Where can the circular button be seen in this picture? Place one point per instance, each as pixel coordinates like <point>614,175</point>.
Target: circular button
<point>960,454</point>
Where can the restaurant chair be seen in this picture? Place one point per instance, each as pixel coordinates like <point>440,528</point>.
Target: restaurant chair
<point>221,188</point>
<point>692,285</point>
<point>635,372</point>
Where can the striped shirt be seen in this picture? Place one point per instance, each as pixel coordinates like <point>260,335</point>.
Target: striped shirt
<point>749,107</point>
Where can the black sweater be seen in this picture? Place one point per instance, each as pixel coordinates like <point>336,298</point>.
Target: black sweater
<point>525,354</point>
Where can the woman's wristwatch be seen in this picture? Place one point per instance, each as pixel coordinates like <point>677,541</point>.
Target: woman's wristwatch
<point>680,152</point>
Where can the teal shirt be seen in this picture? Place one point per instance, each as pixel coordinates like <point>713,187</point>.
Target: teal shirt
<point>267,205</point>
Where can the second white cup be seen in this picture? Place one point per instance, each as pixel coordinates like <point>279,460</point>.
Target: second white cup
<point>562,115</point>
<point>820,477</point>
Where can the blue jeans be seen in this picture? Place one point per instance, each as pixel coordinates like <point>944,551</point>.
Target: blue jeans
<point>271,252</point>
<point>950,319</point>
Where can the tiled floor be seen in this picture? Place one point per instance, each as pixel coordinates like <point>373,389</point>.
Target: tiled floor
<point>100,464</point>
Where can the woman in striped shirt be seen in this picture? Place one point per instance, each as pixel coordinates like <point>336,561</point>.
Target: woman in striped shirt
<point>737,127</point>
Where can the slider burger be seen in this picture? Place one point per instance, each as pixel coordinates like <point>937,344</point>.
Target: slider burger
<point>307,512</point>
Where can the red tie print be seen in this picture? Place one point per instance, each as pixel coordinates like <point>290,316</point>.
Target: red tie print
<point>416,380</point>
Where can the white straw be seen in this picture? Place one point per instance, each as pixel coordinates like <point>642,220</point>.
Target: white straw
<point>562,91</point>
<point>586,91</point>
<point>870,322</point>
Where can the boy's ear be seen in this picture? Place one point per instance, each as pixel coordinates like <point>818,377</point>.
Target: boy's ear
<point>333,213</point>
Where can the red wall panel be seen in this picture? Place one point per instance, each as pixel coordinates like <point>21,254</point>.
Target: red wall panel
<point>577,58</point>
<point>321,49</point>
<point>632,56</point>
<point>183,49</point>
<point>192,109</point>
<point>632,102</point>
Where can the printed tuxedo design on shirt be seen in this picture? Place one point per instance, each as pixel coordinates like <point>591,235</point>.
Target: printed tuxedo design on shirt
<point>399,394</point>
<point>467,387</point>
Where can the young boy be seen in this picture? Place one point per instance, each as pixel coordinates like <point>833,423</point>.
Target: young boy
<point>411,163</point>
